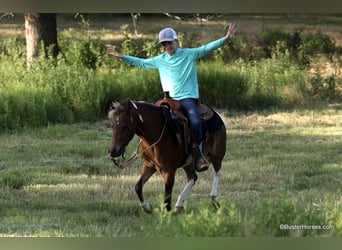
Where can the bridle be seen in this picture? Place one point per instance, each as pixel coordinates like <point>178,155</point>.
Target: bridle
<point>134,155</point>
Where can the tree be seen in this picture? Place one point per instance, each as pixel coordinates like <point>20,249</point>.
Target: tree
<point>40,27</point>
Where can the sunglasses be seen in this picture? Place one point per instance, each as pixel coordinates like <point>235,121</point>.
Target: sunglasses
<point>166,43</point>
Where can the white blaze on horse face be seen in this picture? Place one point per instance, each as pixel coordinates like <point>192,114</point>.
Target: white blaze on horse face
<point>117,120</point>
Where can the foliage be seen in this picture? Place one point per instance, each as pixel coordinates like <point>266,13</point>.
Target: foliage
<point>150,48</point>
<point>128,45</point>
<point>223,86</point>
<point>270,78</point>
<point>323,87</point>
<point>299,45</point>
<point>84,79</point>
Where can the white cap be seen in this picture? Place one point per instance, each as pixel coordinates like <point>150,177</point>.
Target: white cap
<point>167,34</point>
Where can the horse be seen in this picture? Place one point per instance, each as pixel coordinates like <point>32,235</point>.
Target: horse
<point>161,150</point>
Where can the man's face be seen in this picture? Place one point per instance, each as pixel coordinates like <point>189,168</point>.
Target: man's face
<point>170,46</point>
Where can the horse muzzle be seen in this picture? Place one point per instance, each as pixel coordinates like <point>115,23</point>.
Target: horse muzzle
<point>116,151</point>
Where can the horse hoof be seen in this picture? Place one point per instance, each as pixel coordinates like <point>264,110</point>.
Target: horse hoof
<point>215,202</point>
<point>147,207</point>
<point>178,210</point>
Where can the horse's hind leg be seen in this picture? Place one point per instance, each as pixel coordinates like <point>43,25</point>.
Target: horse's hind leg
<point>147,172</point>
<point>217,154</point>
<point>214,193</point>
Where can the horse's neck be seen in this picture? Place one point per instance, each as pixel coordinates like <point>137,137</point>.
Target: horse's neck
<point>150,124</point>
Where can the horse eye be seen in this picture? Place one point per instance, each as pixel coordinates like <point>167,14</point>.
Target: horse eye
<point>124,127</point>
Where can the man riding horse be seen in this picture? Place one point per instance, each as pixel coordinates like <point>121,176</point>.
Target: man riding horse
<point>178,75</point>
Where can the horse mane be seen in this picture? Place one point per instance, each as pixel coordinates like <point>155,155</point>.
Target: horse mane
<point>116,108</point>
<point>119,107</point>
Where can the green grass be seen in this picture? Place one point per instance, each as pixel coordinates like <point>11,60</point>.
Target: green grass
<point>282,167</point>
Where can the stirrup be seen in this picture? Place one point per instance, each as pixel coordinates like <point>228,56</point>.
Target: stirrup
<point>202,163</point>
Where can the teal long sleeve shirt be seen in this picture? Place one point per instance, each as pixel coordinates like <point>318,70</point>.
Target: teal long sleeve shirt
<point>177,72</point>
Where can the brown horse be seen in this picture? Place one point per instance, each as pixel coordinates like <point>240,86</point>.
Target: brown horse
<point>161,150</point>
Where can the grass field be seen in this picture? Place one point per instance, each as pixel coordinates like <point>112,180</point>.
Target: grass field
<point>281,168</point>
<point>282,171</point>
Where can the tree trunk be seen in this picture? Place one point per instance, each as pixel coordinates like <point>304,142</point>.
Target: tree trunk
<point>40,27</point>
<point>32,30</point>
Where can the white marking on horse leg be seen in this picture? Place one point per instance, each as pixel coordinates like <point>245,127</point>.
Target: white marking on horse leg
<point>182,197</point>
<point>214,193</point>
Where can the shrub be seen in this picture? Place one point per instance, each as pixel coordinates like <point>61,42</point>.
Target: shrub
<point>269,38</point>
<point>323,87</point>
<point>270,77</point>
<point>317,43</point>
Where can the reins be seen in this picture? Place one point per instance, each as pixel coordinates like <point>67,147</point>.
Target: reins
<point>134,155</point>
<point>160,137</point>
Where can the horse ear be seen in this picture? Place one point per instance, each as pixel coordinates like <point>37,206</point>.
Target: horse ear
<point>114,105</point>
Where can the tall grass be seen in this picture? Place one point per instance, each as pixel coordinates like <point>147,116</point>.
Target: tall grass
<point>275,81</point>
<point>56,91</point>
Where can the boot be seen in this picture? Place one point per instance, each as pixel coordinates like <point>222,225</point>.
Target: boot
<point>201,162</point>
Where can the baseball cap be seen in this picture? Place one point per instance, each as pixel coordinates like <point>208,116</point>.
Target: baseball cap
<point>167,34</point>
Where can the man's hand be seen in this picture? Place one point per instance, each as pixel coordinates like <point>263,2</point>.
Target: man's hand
<point>231,31</point>
<point>111,50</point>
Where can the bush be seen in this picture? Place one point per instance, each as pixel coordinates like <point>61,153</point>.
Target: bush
<point>300,46</point>
<point>317,43</point>
<point>270,37</point>
<point>270,79</point>
<point>323,87</point>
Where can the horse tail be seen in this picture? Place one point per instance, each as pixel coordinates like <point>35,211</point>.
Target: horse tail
<point>221,117</point>
<point>214,123</point>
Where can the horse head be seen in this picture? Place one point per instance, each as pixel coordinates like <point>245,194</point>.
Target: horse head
<point>123,127</point>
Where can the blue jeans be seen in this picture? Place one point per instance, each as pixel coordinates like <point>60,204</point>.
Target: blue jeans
<point>189,106</point>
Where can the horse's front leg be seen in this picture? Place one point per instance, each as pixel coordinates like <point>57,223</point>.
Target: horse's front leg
<point>147,172</point>
<point>192,177</point>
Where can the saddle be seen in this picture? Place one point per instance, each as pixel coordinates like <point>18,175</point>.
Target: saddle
<point>178,122</point>
<point>204,111</point>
